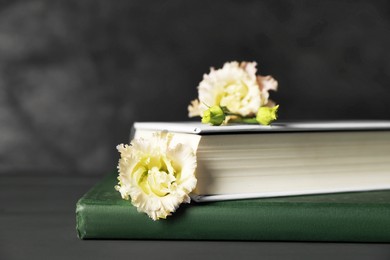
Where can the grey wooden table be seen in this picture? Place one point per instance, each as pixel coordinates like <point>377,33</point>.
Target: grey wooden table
<point>37,221</point>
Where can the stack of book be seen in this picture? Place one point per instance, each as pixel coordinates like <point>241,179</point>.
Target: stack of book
<point>324,181</point>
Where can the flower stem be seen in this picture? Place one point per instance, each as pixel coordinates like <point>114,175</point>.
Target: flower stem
<point>247,120</point>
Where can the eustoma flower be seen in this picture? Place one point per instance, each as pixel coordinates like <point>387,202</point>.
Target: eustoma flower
<point>237,90</point>
<point>156,174</point>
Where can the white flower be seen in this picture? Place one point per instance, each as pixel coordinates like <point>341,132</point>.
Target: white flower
<point>156,175</point>
<point>235,87</point>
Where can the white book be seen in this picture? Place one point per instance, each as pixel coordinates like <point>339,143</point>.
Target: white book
<point>285,159</point>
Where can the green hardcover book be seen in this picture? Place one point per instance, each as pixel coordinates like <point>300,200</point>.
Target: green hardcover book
<point>348,217</point>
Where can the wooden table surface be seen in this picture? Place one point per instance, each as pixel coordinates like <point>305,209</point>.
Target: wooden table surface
<point>37,221</point>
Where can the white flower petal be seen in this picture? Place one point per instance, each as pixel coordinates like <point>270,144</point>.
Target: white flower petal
<point>193,108</point>
<point>266,83</point>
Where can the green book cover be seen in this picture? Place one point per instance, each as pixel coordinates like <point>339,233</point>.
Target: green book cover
<point>348,217</point>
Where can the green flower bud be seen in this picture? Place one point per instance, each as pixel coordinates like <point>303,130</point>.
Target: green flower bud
<point>214,115</point>
<point>266,115</point>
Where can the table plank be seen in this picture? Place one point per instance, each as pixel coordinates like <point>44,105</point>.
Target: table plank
<point>37,221</point>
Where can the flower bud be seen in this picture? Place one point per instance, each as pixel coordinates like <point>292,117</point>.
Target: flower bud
<point>214,115</point>
<point>266,115</point>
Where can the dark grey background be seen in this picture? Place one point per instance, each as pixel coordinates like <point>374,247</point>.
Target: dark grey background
<point>75,75</point>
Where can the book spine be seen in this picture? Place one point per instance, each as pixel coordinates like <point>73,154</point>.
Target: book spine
<point>80,220</point>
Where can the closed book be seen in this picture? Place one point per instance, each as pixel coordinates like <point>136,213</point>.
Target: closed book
<point>294,158</point>
<point>348,217</point>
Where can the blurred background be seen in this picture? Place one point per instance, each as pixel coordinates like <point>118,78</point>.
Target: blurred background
<point>75,75</point>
